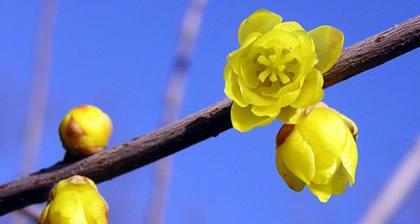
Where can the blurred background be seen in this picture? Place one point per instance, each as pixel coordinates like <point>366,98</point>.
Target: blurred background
<point>118,55</point>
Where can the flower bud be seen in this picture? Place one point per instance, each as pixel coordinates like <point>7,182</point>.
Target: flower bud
<point>85,130</point>
<point>75,200</point>
<point>319,151</point>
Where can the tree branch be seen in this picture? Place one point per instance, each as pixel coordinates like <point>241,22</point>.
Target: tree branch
<point>197,127</point>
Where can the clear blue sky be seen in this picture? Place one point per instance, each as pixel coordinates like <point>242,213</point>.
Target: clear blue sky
<point>118,54</point>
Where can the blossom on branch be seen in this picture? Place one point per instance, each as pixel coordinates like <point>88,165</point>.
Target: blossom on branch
<point>277,69</point>
<point>85,130</point>
<point>75,200</point>
<point>320,152</point>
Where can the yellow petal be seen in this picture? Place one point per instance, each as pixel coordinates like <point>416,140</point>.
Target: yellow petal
<point>328,45</point>
<point>263,111</point>
<point>291,180</point>
<point>339,183</point>
<point>252,96</point>
<point>349,159</point>
<point>261,21</point>
<point>95,210</point>
<point>232,89</point>
<point>244,120</point>
<point>298,156</point>
<point>291,115</point>
<point>275,108</point>
<point>289,26</point>
<point>66,208</point>
<point>305,53</point>
<point>43,218</point>
<point>324,131</point>
<point>322,192</point>
<point>311,92</point>
<point>324,176</point>
<point>248,71</point>
<point>235,57</point>
<point>350,125</point>
<point>276,38</point>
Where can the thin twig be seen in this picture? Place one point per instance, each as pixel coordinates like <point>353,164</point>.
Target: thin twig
<point>172,104</point>
<point>397,188</point>
<point>30,213</point>
<point>197,127</point>
<point>38,97</point>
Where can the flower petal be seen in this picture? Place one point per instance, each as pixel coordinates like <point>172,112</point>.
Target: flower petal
<point>351,125</point>
<point>298,156</point>
<point>234,58</point>
<point>232,89</point>
<point>252,97</point>
<point>322,192</point>
<point>291,115</point>
<point>261,21</point>
<point>289,26</point>
<point>311,92</point>
<point>244,120</point>
<point>291,180</point>
<point>324,176</point>
<point>328,46</point>
<point>305,53</point>
<point>339,183</point>
<point>269,111</point>
<point>277,38</point>
<point>67,205</point>
<point>325,133</point>
<point>349,159</point>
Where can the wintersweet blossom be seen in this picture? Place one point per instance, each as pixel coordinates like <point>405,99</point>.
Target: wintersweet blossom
<point>319,152</point>
<point>277,69</point>
<point>85,130</point>
<point>75,200</point>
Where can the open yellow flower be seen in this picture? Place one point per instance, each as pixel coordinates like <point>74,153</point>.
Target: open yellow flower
<point>320,152</point>
<point>277,69</point>
<point>85,130</point>
<point>75,200</point>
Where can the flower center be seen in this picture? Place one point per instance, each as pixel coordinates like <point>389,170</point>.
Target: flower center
<point>274,65</point>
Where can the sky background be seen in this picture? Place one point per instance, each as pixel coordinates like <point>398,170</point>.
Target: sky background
<point>117,55</point>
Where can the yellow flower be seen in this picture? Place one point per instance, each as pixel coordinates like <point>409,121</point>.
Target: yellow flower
<point>277,69</point>
<point>85,130</point>
<point>75,200</point>
<point>320,151</point>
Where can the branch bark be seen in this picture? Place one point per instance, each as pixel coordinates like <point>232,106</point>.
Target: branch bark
<point>197,127</point>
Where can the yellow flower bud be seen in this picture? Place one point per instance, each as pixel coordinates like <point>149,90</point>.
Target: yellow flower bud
<point>320,152</point>
<point>85,130</point>
<point>277,69</point>
<point>75,200</point>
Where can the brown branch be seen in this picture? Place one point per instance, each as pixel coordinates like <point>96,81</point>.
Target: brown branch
<point>197,127</point>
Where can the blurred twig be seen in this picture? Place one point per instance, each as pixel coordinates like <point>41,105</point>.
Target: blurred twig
<point>38,96</point>
<point>30,213</point>
<point>172,103</point>
<point>398,186</point>
<point>199,126</point>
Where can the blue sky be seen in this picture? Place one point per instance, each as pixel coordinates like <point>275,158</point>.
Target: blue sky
<point>118,54</point>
